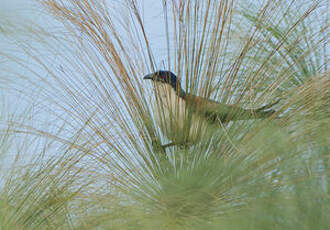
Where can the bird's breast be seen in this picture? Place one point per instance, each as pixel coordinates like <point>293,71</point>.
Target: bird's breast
<point>177,123</point>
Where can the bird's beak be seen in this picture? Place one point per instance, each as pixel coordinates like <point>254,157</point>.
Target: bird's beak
<point>148,77</point>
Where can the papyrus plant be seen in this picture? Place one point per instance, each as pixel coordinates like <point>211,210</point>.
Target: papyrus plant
<point>235,178</point>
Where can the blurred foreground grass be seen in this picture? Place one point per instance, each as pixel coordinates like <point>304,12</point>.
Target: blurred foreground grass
<point>80,155</point>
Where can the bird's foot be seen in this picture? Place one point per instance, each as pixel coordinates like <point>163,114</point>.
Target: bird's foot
<point>180,145</point>
<point>157,146</point>
<point>168,145</point>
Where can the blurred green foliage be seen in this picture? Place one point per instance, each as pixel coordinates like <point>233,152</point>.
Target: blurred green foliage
<point>94,164</point>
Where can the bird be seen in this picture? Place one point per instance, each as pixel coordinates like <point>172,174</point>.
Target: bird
<point>185,118</point>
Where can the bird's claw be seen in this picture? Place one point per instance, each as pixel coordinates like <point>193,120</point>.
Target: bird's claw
<point>157,146</point>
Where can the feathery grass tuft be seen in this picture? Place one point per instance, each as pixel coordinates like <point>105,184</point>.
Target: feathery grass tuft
<point>105,168</point>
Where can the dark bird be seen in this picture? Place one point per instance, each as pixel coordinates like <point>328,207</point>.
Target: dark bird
<point>184,118</point>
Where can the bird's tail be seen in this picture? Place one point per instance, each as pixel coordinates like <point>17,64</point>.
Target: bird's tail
<point>265,111</point>
<point>238,113</point>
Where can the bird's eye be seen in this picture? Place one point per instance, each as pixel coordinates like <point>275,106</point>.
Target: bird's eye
<point>161,78</point>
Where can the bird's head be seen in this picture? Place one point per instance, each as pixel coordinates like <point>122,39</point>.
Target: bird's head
<point>165,77</point>
<point>169,78</point>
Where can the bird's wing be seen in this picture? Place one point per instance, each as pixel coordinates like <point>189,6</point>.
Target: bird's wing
<point>215,111</point>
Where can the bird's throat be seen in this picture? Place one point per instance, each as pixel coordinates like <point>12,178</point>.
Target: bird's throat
<point>167,94</point>
<point>166,90</point>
